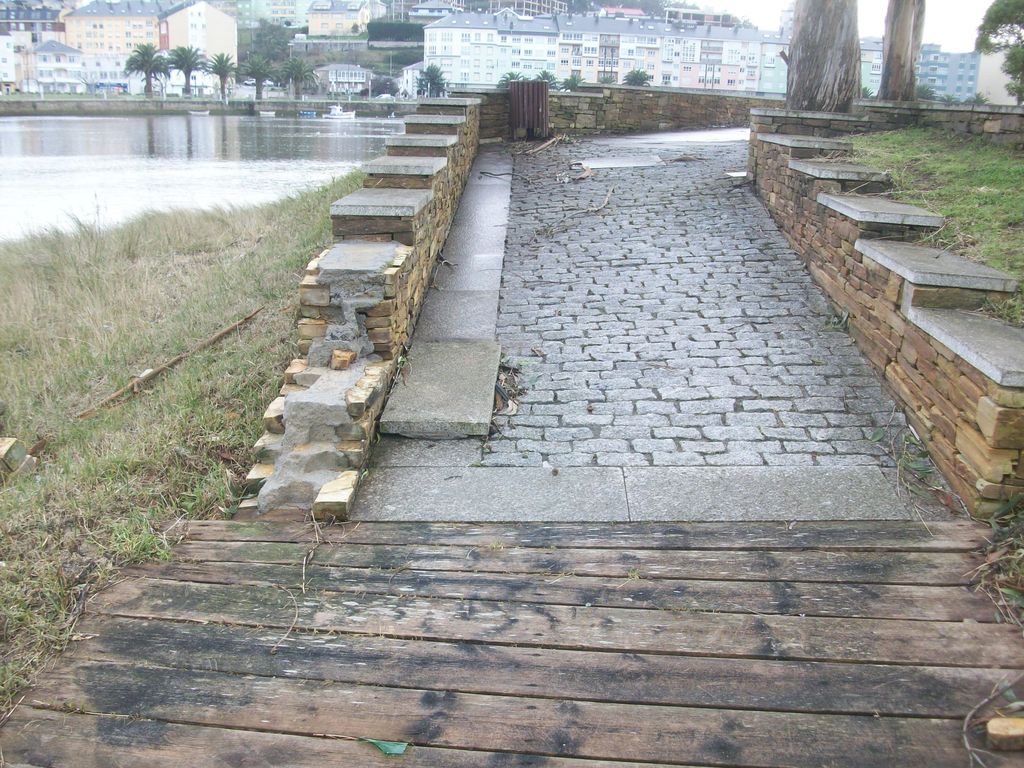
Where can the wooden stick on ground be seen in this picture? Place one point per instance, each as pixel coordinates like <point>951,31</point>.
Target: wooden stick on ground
<point>541,147</point>
<point>136,383</point>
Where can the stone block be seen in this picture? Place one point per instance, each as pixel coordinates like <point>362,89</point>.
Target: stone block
<point>273,417</point>
<point>1005,733</point>
<point>12,454</point>
<point>1002,427</point>
<point>335,497</point>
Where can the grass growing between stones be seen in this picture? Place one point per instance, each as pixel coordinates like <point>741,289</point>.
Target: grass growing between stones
<point>85,311</point>
<point>978,186</point>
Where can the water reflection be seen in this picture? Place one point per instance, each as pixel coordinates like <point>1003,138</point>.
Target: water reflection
<point>108,169</point>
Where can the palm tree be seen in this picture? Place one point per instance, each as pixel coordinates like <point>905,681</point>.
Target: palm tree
<point>260,70</point>
<point>509,77</point>
<point>977,99</point>
<point>146,60</point>
<point>187,60</point>
<point>572,82</point>
<point>431,81</point>
<point>867,93</point>
<point>224,68</point>
<point>948,98</point>
<point>547,77</point>
<point>299,74</point>
<point>925,93</point>
<point>637,77</point>
<point>606,80</point>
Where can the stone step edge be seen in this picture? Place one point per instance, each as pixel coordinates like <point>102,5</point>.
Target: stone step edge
<point>853,207</point>
<point>452,102</point>
<point>945,274</point>
<point>428,119</point>
<point>382,202</point>
<point>421,140</point>
<point>391,165</point>
<point>806,142</point>
<point>992,346</point>
<point>829,169</point>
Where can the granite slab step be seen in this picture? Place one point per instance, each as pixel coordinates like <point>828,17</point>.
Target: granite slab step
<point>353,257</point>
<point>880,210</point>
<point>993,347</point>
<point>420,141</point>
<point>446,390</point>
<point>839,171</point>
<point>405,166</point>
<point>806,142</point>
<point>434,119</point>
<point>382,202</point>
<point>920,265</point>
<point>452,102</point>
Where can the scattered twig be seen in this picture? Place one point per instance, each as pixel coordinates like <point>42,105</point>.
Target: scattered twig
<point>295,619</point>
<point>541,147</point>
<point>135,385</point>
<point>965,729</point>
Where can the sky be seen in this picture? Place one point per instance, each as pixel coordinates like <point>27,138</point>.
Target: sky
<point>953,24</point>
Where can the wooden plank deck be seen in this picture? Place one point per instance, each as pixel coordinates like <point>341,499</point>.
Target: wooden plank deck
<point>569,646</point>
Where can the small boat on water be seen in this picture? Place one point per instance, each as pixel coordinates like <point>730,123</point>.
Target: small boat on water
<point>307,113</point>
<point>199,112</point>
<point>337,113</point>
<point>267,113</point>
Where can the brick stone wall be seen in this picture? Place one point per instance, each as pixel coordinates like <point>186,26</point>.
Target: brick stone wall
<point>621,109</point>
<point>998,124</point>
<point>358,303</point>
<point>971,421</point>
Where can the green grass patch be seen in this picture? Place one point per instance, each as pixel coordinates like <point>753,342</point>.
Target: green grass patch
<point>978,186</point>
<point>87,310</point>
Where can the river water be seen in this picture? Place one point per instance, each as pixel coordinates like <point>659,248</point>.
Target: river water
<point>107,169</point>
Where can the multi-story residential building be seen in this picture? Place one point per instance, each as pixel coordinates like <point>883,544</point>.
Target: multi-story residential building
<point>949,74</point>
<point>870,64</point>
<point>343,79</point>
<point>478,48</point>
<point>409,84</point>
<point>992,81</point>
<point>31,26</point>
<point>53,67</point>
<point>529,7</point>
<point>8,63</point>
<point>304,47</point>
<point>103,27</point>
<point>335,18</point>
<point>429,11</point>
<point>107,32</point>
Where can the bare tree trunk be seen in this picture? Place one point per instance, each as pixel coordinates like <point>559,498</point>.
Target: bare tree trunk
<point>824,57</point>
<point>904,26</point>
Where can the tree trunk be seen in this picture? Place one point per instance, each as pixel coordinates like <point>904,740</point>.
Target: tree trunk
<point>824,57</point>
<point>259,90</point>
<point>187,90</point>
<point>904,26</point>
<point>149,86</point>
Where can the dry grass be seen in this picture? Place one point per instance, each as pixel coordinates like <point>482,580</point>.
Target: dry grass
<point>84,312</point>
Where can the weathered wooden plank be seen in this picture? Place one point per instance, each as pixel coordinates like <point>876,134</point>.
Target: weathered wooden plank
<point>47,739</point>
<point>927,568</point>
<point>886,535</point>
<point>640,630</point>
<point>495,723</point>
<point>628,678</point>
<point>883,601</point>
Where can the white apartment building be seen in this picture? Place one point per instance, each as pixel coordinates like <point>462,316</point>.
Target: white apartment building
<point>338,79</point>
<point>478,48</point>
<point>8,64</point>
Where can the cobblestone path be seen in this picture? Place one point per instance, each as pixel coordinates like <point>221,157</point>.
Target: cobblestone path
<point>674,326</point>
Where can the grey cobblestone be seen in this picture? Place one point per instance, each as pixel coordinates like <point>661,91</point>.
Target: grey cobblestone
<point>672,327</point>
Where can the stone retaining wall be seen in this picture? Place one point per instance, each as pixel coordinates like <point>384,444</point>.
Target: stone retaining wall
<point>621,109</point>
<point>359,301</point>
<point>959,374</point>
<point>494,112</point>
<point>998,124</point>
